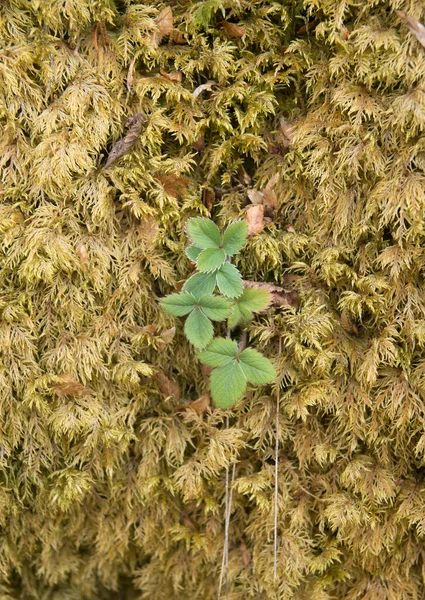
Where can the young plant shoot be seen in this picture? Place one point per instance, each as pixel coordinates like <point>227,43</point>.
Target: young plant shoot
<point>232,368</point>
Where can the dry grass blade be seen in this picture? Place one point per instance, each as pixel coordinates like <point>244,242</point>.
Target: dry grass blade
<point>415,26</point>
<point>124,145</point>
<point>69,386</point>
<point>130,74</point>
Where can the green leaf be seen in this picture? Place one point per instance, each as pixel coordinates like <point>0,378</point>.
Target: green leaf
<point>256,367</point>
<point>227,384</point>
<point>178,305</point>
<point>219,352</point>
<point>210,259</point>
<point>198,329</point>
<point>254,299</point>
<point>203,233</point>
<point>215,308</point>
<point>229,281</point>
<point>235,237</point>
<point>200,284</point>
<point>192,252</point>
<point>250,300</point>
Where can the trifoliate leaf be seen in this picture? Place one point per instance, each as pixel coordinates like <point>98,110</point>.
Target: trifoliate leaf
<point>234,237</point>
<point>192,253</point>
<point>203,233</point>
<point>217,309</point>
<point>178,305</point>
<point>254,299</point>
<point>219,352</point>
<point>229,281</point>
<point>256,367</point>
<point>227,384</point>
<point>200,284</point>
<point>198,329</point>
<point>210,259</point>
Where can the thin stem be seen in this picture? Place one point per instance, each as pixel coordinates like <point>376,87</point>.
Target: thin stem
<point>224,574</point>
<point>276,477</point>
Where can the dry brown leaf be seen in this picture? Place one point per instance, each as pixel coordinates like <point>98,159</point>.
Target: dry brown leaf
<point>166,386</point>
<point>124,145</point>
<point>199,406</point>
<point>415,26</point>
<point>348,324</point>
<point>199,144</point>
<point>232,30</point>
<point>246,555</point>
<point>279,295</point>
<point>164,23</point>
<point>173,184</point>
<point>208,198</point>
<point>178,37</point>
<point>206,371</point>
<point>201,88</point>
<point>255,196</point>
<point>174,76</point>
<point>255,219</point>
<point>148,329</point>
<point>130,74</point>
<point>167,336</point>
<point>83,254</point>
<point>287,132</point>
<point>344,32</point>
<point>291,229</point>
<point>69,386</point>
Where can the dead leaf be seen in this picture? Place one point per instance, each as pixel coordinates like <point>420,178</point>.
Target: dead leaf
<point>309,26</point>
<point>291,229</point>
<point>232,30</point>
<point>178,37</point>
<point>130,74</point>
<point>164,23</point>
<point>173,184</point>
<point>206,371</point>
<point>124,145</point>
<point>148,329</point>
<point>204,87</point>
<point>255,196</point>
<point>255,219</point>
<point>69,386</point>
<point>344,32</point>
<point>287,132</point>
<point>199,144</point>
<point>246,555</point>
<point>279,295</point>
<point>83,254</point>
<point>348,324</point>
<point>167,336</point>
<point>415,26</point>
<point>166,386</point>
<point>208,198</point>
<point>199,406</point>
<point>174,76</point>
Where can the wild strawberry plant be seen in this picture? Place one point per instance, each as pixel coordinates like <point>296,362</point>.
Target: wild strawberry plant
<point>233,366</point>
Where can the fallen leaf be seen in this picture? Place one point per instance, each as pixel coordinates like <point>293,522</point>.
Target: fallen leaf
<point>348,324</point>
<point>255,219</point>
<point>178,37</point>
<point>175,76</point>
<point>204,87</point>
<point>246,555</point>
<point>415,26</point>
<point>148,329</point>
<point>69,386</point>
<point>199,406</point>
<point>164,23</point>
<point>291,229</point>
<point>279,295</point>
<point>309,26</point>
<point>167,336</point>
<point>124,145</point>
<point>166,386</point>
<point>255,196</point>
<point>83,254</point>
<point>173,184</point>
<point>208,198</point>
<point>199,144</point>
<point>287,132</point>
<point>344,32</point>
<point>232,30</point>
<point>130,74</point>
<point>243,176</point>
